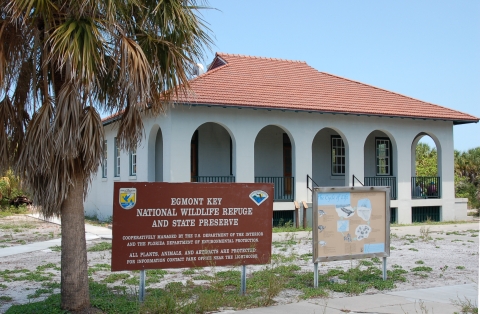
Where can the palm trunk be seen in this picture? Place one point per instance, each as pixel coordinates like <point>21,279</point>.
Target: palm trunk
<point>74,277</point>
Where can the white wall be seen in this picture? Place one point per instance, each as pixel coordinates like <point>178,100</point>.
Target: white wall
<point>213,150</point>
<point>249,138</point>
<point>269,152</point>
<point>322,160</point>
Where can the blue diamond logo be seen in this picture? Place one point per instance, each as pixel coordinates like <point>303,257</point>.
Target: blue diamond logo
<point>258,196</point>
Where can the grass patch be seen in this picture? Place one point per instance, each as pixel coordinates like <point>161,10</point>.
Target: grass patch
<point>17,226</point>
<point>189,271</point>
<point>47,266</point>
<point>6,211</point>
<point>413,249</point>
<point>24,275</point>
<point>220,291</point>
<point>101,297</point>
<point>289,228</point>
<point>420,262</point>
<point>422,268</point>
<point>467,306</point>
<point>427,223</point>
<point>98,247</point>
<point>56,248</point>
<point>455,233</point>
<point>115,277</point>
<point>38,293</point>
<point>460,267</point>
<point>98,267</point>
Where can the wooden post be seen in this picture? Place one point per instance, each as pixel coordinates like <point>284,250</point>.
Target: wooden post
<point>305,206</point>
<point>297,214</point>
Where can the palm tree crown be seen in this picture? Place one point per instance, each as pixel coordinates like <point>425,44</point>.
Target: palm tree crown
<point>62,62</point>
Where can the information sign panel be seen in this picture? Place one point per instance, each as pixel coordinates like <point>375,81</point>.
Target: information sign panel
<point>351,223</point>
<point>172,225</point>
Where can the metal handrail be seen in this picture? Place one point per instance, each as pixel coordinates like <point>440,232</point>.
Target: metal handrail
<point>215,179</point>
<point>309,178</point>
<point>284,187</point>
<point>355,178</point>
<point>383,181</point>
<point>426,187</point>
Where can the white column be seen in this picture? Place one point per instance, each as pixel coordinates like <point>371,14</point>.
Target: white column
<point>355,160</point>
<point>244,156</point>
<point>446,164</point>
<point>177,136</point>
<point>404,177</point>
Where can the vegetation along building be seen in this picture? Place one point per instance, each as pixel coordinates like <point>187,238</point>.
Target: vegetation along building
<point>252,119</point>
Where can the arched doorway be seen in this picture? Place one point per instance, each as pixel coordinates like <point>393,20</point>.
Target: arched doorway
<point>380,162</point>
<point>329,158</point>
<point>211,150</point>
<point>273,162</point>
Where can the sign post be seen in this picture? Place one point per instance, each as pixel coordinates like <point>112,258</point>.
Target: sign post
<point>174,225</point>
<point>350,223</point>
<point>141,290</point>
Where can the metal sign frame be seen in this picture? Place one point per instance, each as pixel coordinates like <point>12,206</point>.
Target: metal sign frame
<point>384,210</point>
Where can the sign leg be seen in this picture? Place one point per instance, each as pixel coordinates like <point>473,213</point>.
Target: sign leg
<point>315,275</point>
<point>141,291</point>
<point>384,268</point>
<point>243,286</point>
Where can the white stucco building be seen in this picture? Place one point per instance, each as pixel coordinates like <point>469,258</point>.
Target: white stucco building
<point>253,119</point>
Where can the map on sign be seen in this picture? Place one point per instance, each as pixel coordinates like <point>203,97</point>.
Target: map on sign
<point>350,223</point>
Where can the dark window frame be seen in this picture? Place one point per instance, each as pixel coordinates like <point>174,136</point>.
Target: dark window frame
<point>388,157</point>
<point>334,165</point>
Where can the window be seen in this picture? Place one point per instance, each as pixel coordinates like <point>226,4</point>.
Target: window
<point>116,158</point>
<point>383,156</point>
<point>104,163</point>
<point>338,156</point>
<point>133,163</point>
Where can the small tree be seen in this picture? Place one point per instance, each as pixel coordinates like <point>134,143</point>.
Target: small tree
<point>426,161</point>
<point>61,62</point>
<point>467,176</point>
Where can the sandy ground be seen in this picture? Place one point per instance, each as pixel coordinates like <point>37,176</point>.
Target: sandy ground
<point>452,251</point>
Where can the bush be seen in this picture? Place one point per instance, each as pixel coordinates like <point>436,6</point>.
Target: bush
<point>10,189</point>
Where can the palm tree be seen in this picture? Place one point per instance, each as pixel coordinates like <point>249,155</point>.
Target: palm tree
<point>63,62</point>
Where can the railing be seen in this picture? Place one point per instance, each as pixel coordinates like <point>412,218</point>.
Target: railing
<point>284,187</point>
<point>383,181</point>
<point>425,187</point>
<point>213,179</point>
<point>314,184</point>
<point>354,178</point>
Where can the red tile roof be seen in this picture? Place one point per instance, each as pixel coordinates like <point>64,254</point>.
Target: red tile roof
<point>236,80</point>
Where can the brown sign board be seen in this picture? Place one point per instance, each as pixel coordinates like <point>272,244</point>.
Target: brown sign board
<point>350,223</point>
<point>160,225</point>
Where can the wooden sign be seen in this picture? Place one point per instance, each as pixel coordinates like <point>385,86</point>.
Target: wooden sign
<point>174,225</point>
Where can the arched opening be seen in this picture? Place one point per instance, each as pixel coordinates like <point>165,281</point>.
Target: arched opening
<point>273,162</point>
<point>329,160</point>
<point>211,158</point>
<point>159,157</point>
<point>155,155</point>
<point>426,181</point>
<point>380,162</point>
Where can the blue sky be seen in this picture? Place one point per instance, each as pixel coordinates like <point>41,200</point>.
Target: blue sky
<point>429,50</point>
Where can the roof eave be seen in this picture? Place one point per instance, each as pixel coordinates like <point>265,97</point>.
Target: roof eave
<point>455,121</point>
